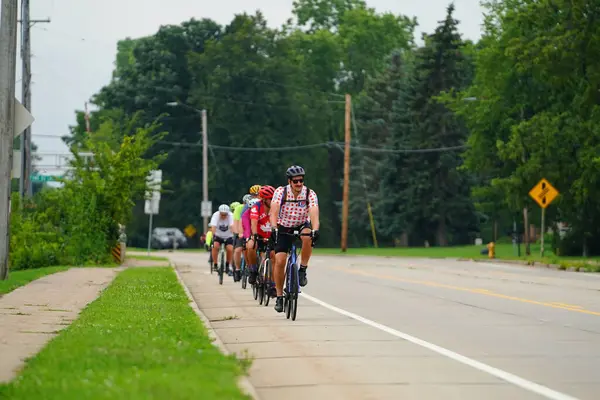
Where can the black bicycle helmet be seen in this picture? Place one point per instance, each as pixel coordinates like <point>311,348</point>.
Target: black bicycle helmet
<point>294,170</point>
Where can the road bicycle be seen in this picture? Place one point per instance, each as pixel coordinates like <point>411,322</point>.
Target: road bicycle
<point>291,288</point>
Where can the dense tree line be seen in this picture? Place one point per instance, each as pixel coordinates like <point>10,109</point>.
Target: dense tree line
<point>448,136</point>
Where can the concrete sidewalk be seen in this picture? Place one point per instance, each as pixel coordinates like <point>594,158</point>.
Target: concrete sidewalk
<point>33,314</point>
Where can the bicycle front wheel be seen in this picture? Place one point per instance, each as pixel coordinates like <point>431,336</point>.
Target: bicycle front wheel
<point>221,268</point>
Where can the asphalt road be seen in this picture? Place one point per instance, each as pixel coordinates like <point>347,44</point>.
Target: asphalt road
<point>393,328</point>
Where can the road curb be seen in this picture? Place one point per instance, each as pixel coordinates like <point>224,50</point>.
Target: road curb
<point>243,381</point>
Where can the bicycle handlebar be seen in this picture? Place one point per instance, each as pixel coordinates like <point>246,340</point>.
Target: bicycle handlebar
<point>295,233</point>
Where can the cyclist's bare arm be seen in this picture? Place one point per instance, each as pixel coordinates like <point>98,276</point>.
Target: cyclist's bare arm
<point>254,226</point>
<point>274,213</point>
<point>313,213</point>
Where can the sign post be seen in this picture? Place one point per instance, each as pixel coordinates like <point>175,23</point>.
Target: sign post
<point>206,210</point>
<point>543,193</point>
<point>153,183</point>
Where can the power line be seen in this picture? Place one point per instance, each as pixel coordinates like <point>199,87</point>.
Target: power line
<point>432,150</point>
<point>306,146</point>
<point>315,145</point>
<point>284,148</point>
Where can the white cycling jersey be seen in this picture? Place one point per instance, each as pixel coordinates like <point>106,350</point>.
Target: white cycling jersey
<point>223,225</point>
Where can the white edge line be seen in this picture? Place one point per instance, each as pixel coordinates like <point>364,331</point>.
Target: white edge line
<point>498,373</point>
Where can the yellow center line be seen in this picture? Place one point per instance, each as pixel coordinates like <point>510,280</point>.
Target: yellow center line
<point>484,292</point>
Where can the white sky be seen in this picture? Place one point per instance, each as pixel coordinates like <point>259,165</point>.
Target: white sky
<point>73,56</point>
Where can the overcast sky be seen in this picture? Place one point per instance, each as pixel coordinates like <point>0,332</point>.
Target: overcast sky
<point>73,55</point>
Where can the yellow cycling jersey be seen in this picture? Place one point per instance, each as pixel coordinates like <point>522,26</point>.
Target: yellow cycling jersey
<point>209,236</point>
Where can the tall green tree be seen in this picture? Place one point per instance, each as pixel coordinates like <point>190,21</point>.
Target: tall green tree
<point>431,196</point>
<point>374,125</point>
<point>535,117</point>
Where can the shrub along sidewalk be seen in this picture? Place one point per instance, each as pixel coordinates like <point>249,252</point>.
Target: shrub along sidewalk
<point>139,340</point>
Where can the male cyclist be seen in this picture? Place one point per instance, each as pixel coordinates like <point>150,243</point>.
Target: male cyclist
<point>261,229</point>
<point>294,207</point>
<point>237,240</point>
<point>221,225</point>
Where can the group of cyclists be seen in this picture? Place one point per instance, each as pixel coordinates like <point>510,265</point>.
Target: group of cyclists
<point>264,214</point>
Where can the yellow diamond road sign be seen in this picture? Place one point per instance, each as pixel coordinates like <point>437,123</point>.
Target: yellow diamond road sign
<point>190,230</point>
<point>543,193</point>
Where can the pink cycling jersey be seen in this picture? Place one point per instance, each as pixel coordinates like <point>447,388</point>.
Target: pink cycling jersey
<point>247,228</point>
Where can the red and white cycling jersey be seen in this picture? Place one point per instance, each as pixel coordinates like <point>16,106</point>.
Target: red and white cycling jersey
<point>294,212</point>
<point>258,212</point>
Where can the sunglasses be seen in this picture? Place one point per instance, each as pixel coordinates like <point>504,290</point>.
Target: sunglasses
<point>298,180</point>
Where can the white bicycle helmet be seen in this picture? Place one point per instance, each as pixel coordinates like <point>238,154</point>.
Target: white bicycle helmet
<point>224,208</point>
<point>246,199</point>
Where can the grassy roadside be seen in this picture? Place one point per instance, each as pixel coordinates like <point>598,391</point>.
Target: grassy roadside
<point>139,340</point>
<point>503,252</point>
<point>20,278</point>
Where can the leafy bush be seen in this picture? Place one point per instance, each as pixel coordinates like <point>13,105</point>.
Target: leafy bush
<point>78,223</point>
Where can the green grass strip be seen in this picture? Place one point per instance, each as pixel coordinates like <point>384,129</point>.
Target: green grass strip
<point>139,340</point>
<point>20,278</point>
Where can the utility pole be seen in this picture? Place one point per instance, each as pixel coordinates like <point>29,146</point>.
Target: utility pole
<point>8,61</point>
<point>346,176</point>
<point>204,167</point>
<point>25,187</point>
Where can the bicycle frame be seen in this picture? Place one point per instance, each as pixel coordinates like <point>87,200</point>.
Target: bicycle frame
<point>291,261</point>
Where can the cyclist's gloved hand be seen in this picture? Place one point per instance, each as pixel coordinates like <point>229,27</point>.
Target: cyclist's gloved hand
<point>315,236</point>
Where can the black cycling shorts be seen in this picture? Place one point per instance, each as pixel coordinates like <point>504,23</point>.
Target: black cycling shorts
<point>224,241</point>
<point>238,242</point>
<point>261,244</point>
<point>284,242</point>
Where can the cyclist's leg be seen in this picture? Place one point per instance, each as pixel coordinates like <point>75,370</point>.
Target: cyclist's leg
<point>215,251</point>
<point>237,253</point>
<point>229,254</point>
<point>284,243</point>
<point>237,257</point>
<point>305,254</point>
<point>252,267</point>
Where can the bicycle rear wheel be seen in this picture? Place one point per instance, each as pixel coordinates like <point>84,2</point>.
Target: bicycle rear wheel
<point>260,284</point>
<point>256,284</point>
<point>267,280</point>
<point>244,271</point>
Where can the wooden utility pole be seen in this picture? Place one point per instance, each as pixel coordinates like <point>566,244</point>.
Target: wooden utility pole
<point>204,168</point>
<point>8,61</point>
<point>346,176</point>
<point>25,188</point>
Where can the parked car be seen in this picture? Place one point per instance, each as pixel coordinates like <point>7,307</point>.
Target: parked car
<point>166,238</point>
